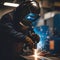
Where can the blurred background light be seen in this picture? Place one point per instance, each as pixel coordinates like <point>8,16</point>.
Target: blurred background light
<point>11,4</point>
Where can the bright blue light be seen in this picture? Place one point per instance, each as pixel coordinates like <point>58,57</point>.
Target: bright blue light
<point>31,17</point>
<point>43,32</point>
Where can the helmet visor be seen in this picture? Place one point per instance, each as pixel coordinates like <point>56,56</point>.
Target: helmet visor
<point>31,17</point>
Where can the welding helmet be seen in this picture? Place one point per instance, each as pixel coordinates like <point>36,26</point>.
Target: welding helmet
<point>28,10</point>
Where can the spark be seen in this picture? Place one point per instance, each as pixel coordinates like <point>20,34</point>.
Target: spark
<point>36,54</point>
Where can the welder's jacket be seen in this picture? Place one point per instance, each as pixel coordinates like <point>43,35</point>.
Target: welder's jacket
<point>9,34</point>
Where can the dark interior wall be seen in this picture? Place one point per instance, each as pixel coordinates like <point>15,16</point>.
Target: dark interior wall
<point>56,23</point>
<point>6,0</point>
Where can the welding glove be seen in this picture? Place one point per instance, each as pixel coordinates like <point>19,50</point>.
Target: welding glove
<point>35,38</point>
<point>29,41</point>
<point>30,44</point>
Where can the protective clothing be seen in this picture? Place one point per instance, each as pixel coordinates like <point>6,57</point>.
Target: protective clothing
<point>11,32</point>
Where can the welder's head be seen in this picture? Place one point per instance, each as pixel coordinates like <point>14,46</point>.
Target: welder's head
<point>28,10</point>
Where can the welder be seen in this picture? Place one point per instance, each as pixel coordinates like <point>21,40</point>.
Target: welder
<point>12,38</point>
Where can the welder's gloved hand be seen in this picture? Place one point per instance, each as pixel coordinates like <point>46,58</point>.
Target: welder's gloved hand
<point>29,41</point>
<point>25,27</point>
<point>35,37</point>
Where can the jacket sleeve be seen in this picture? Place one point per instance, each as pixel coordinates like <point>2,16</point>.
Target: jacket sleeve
<point>8,28</point>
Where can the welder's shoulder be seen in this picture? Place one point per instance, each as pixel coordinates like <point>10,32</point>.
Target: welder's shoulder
<point>6,18</point>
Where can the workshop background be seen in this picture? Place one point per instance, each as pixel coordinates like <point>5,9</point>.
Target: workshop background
<point>47,26</point>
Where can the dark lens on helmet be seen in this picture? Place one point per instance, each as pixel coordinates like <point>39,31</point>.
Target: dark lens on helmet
<point>31,17</point>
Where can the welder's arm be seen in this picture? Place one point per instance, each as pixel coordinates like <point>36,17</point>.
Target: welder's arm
<point>18,36</point>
